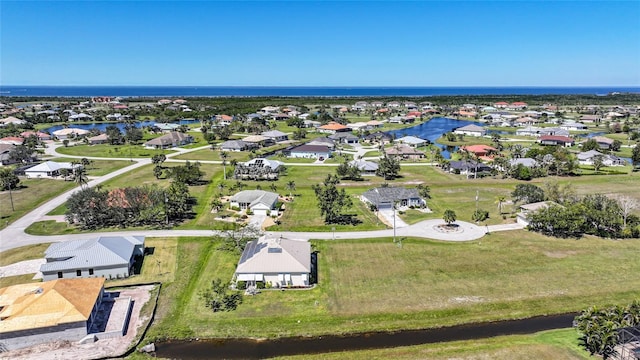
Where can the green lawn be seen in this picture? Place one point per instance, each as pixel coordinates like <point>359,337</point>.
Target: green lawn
<point>158,266</point>
<point>208,154</point>
<point>424,284</point>
<point>29,252</point>
<point>111,151</point>
<point>546,345</point>
<point>31,194</point>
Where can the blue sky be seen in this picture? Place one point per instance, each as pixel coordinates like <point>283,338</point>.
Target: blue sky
<point>320,43</point>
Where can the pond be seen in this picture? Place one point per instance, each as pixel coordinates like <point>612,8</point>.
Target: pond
<point>102,126</point>
<point>259,349</point>
<point>433,129</point>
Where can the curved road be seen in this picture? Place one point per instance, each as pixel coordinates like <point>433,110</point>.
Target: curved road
<point>13,235</point>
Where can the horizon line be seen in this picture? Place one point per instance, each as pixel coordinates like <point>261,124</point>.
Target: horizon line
<point>343,86</point>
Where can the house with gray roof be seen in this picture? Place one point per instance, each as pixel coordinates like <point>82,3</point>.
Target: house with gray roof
<point>471,130</point>
<point>325,141</point>
<point>49,169</point>
<point>276,135</point>
<point>587,158</point>
<point>526,162</point>
<point>310,151</point>
<point>344,137</point>
<point>171,139</point>
<point>237,145</point>
<point>384,198</point>
<point>260,202</point>
<point>111,257</point>
<point>278,262</point>
<point>365,167</point>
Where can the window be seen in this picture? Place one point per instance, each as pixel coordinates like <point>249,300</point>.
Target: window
<point>90,271</point>
<point>78,272</point>
<point>59,274</point>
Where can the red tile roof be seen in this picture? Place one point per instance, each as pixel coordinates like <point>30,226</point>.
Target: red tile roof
<point>333,126</point>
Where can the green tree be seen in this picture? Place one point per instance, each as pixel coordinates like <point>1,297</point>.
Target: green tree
<point>635,156</point>
<point>424,191</point>
<point>178,201</point>
<point>331,201</point>
<point>291,186</point>
<point>590,144</point>
<point>80,176</point>
<point>598,163</point>
<point>449,217</point>
<point>480,215</point>
<point>158,159</point>
<point>527,194</point>
<point>157,171</point>
<point>224,156</point>
<point>218,297</point>
<point>388,168</point>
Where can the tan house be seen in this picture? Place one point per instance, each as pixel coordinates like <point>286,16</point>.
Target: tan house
<point>172,139</point>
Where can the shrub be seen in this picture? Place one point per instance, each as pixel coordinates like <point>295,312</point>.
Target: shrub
<point>260,285</point>
<point>241,285</point>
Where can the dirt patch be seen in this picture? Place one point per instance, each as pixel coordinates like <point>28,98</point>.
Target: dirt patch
<point>560,254</point>
<point>108,347</point>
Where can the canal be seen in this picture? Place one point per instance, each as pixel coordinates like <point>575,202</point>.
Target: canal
<point>259,349</point>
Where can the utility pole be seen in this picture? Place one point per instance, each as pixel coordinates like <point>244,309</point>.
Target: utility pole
<point>477,198</point>
<point>394,221</point>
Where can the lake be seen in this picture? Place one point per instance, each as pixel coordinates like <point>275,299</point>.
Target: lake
<point>433,129</point>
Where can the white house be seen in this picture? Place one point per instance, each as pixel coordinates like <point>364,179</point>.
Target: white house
<point>68,133</point>
<point>260,202</point>
<point>49,169</point>
<point>110,257</point>
<point>412,141</point>
<point>587,157</point>
<point>278,262</point>
<point>310,151</point>
<point>471,130</point>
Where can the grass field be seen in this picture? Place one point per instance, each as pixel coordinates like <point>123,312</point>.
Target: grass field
<point>547,345</point>
<point>111,151</point>
<point>424,284</point>
<point>33,193</point>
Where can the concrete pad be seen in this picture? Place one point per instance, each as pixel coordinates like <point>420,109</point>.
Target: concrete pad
<point>22,268</point>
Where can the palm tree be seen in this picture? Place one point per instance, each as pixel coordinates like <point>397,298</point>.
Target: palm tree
<point>224,156</point>
<point>291,186</point>
<point>80,176</point>
<point>500,200</point>
<point>449,216</point>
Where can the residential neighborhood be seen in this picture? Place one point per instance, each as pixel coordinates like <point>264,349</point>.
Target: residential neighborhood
<point>278,189</point>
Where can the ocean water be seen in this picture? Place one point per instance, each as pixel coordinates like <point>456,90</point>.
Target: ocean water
<point>241,91</point>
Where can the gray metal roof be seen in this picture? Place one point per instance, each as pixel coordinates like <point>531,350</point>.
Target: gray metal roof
<point>275,255</point>
<point>254,197</point>
<point>390,194</point>
<point>364,165</point>
<point>99,252</point>
<point>471,127</point>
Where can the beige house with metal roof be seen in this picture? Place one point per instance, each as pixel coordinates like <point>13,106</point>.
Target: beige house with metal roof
<point>58,310</point>
<point>278,261</point>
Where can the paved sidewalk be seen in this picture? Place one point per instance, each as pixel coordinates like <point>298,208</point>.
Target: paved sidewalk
<point>23,267</point>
